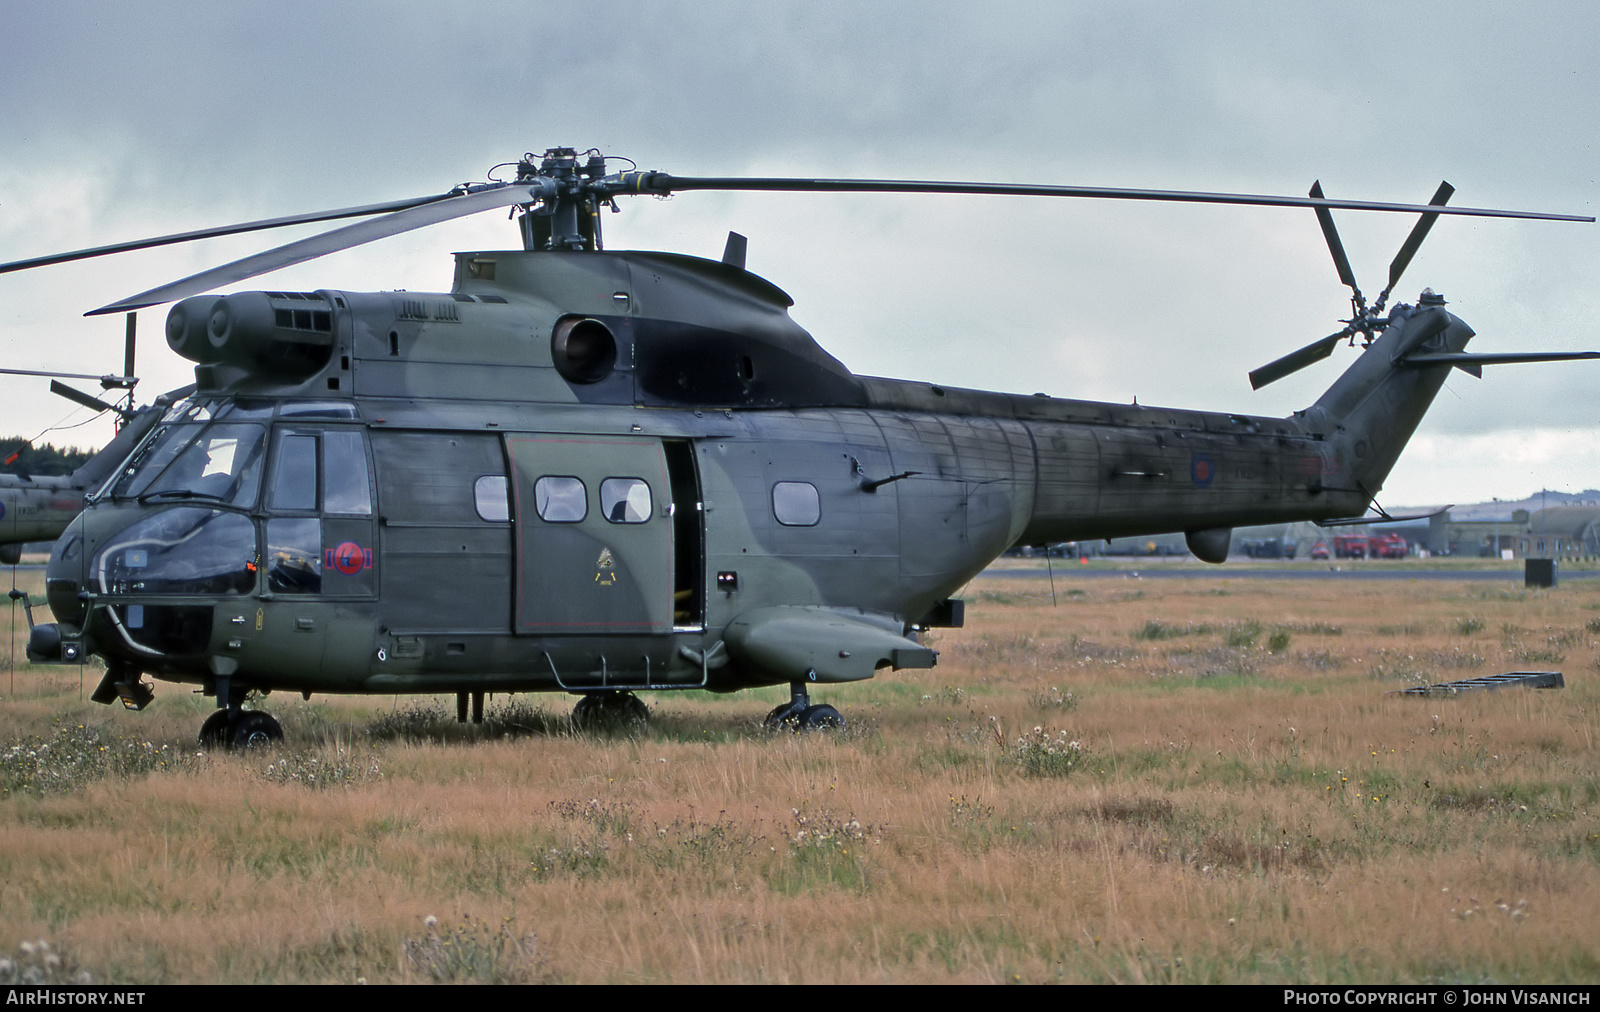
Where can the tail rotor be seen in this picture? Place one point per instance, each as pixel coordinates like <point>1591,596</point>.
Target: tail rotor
<point>1364,320</point>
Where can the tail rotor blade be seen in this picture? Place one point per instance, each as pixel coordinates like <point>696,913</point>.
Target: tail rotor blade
<point>1419,232</point>
<point>1296,360</point>
<point>128,343</point>
<point>1340,262</point>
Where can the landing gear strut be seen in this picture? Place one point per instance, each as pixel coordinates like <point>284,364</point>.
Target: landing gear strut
<point>610,710</point>
<point>800,714</point>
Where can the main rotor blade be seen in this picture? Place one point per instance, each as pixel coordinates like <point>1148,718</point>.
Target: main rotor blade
<point>1419,232</point>
<point>1341,262</point>
<point>209,233</point>
<point>665,183</point>
<point>491,196</point>
<point>1293,362</point>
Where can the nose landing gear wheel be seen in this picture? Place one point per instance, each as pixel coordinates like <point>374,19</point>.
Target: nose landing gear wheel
<point>254,729</point>
<point>214,732</point>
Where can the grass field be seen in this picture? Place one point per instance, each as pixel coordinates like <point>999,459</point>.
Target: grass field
<point>1195,780</point>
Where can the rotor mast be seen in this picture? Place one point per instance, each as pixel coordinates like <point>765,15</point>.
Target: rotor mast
<point>567,216</point>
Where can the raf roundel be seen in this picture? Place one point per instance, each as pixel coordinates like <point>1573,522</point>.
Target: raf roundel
<point>349,558</point>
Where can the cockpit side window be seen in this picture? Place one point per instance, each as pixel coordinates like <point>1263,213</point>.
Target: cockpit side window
<point>294,555</point>
<point>319,537</point>
<point>346,487</point>
<point>294,483</point>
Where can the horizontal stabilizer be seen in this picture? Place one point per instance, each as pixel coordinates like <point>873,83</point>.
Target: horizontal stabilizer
<point>1464,359</point>
<point>1383,518</point>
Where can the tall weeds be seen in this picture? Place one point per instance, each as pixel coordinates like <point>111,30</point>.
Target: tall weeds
<point>1168,785</point>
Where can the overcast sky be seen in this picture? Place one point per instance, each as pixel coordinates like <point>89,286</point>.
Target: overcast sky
<point>125,120</point>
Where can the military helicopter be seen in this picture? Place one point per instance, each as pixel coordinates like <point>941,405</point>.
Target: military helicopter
<point>602,472</point>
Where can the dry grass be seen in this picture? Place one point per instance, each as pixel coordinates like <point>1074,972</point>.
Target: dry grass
<point>1235,798</point>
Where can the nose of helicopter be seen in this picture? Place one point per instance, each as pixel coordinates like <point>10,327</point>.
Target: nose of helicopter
<point>140,584</point>
<point>65,574</point>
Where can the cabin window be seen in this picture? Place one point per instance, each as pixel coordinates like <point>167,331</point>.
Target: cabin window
<point>560,499</point>
<point>796,503</point>
<point>490,499</point>
<point>625,500</point>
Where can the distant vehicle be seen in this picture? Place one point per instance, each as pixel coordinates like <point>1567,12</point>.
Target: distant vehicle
<point>1268,548</point>
<point>1350,546</point>
<point>1058,550</point>
<point>1368,546</point>
<point>1387,546</point>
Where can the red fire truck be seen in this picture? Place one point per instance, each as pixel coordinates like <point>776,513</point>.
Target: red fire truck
<point>1370,546</point>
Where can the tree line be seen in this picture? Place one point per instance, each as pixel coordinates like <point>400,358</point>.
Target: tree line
<point>19,458</point>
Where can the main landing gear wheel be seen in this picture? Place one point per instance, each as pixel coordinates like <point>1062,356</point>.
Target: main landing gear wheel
<point>787,715</point>
<point>821,717</point>
<point>606,711</point>
<point>799,714</point>
<point>236,729</point>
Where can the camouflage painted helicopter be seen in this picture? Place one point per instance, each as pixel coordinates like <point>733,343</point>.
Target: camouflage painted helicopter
<point>602,472</point>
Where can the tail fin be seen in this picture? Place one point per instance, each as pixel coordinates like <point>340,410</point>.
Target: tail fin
<point>1371,412</point>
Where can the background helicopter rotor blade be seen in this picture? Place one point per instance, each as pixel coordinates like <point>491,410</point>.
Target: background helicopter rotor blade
<point>1419,232</point>
<point>663,183</point>
<point>1293,362</point>
<point>485,198</point>
<point>79,397</point>
<point>107,381</point>
<point>1341,262</point>
<point>221,230</point>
